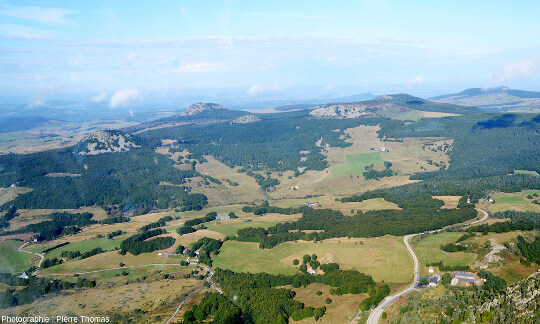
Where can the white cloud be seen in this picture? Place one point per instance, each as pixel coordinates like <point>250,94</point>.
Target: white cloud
<point>39,14</point>
<point>12,31</point>
<point>257,89</point>
<point>415,81</point>
<point>522,69</point>
<point>122,98</point>
<point>201,68</point>
<point>36,103</point>
<point>100,97</point>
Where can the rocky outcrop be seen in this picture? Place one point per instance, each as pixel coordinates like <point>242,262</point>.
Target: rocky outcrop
<point>105,141</point>
<point>246,119</point>
<point>200,107</point>
<point>518,304</point>
<point>351,110</point>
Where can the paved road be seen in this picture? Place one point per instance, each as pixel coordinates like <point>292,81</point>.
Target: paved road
<point>377,312</point>
<point>41,255</point>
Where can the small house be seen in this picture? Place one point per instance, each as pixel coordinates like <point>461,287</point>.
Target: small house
<point>434,280</point>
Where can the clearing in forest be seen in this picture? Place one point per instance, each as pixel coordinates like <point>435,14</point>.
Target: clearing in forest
<point>356,164</point>
<point>383,258</point>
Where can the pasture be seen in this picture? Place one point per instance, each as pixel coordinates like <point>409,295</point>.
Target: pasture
<point>428,250</point>
<point>526,172</point>
<point>355,164</point>
<point>11,260</point>
<point>512,201</point>
<point>7,194</point>
<point>384,258</point>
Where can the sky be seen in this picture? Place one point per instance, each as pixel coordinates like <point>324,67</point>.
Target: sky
<point>123,52</point>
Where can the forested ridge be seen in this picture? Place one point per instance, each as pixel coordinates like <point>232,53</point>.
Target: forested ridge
<point>273,143</point>
<point>128,178</point>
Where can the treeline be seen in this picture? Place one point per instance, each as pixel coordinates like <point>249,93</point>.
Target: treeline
<point>9,215</point>
<point>265,208</point>
<point>139,243</point>
<point>187,227</point>
<point>492,282</point>
<point>129,178</point>
<point>333,223</point>
<point>47,263</point>
<point>443,267</point>
<point>530,251</point>
<point>114,220</point>
<point>61,224</point>
<point>161,222</point>
<point>452,247</point>
<point>113,234</point>
<point>34,288</point>
<point>371,173</point>
<point>77,254</point>
<point>376,295</point>
<point>196,221</point>
<point>55,247</point>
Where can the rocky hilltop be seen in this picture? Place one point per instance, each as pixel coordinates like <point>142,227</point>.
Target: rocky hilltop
<point>246,119</point>
<point>200,107</point>
<point>105,141</point>
<point>350,110</point>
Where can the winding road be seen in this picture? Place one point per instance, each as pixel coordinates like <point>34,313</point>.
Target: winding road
<point>41,255</point>
<point>375,314</point>
<point>209,284</point>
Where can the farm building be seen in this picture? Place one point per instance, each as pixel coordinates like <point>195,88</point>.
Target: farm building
<point>222,217</point>
<point>463,278</point>
<point>311,204</point>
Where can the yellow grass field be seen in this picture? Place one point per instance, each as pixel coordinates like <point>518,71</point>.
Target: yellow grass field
<point>384,258</point>
<point>7,194</point>
<point>512,201</point>
<point>449,201</point>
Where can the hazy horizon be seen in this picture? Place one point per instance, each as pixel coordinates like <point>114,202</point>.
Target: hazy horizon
<point>122,54</point>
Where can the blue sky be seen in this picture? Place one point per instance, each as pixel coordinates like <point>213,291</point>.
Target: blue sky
<point>121,52</point>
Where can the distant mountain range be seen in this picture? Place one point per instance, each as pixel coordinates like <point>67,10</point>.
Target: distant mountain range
<point>305,104</point>
<point>397,106</point>
<point>500,99</point>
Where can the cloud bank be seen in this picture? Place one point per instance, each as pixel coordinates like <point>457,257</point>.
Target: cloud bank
<point>122,98</point>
